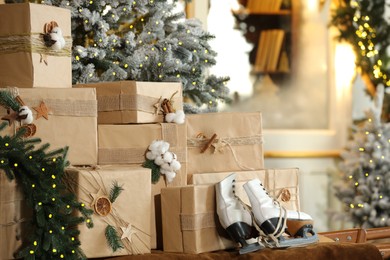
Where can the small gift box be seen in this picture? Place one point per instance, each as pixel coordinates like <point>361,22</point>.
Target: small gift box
<point>13,218</point>
<point>190,221</point>
<point>225,141</point>
<point>281,183</point>
<point>128,144</point>
<point>35,46</point>
<point>63,117</point>
<point>123,102</point>
<point>124,219</point>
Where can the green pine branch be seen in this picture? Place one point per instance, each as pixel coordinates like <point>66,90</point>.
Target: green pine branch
<point>115,191</point>
<point>113,238</point>
<point>155,170</point>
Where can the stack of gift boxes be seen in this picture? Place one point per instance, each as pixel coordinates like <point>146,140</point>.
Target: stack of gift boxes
<point>109,127</point>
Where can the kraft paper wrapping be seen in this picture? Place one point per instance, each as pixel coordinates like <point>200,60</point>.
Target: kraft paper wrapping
<point>190,222</point>
<point>130,211</point>
<point>22,51</point>
<point>282,184</point>
<point>13,217</point>
<point>134,101</point>
<point>127,144</point>
<point>238,146</point>
<point>72,121</point>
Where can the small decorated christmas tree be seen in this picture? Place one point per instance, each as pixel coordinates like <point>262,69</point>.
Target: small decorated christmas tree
<point>40,174</point>
<point>144,40</point>
<point>365,167</point>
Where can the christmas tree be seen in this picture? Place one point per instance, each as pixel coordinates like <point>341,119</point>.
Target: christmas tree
<point>363,24</point>
<point>365,167</point>
<point>144,40</point>
<point>40,173</point>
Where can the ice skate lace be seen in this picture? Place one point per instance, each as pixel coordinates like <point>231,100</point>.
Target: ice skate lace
<point>280,227</point>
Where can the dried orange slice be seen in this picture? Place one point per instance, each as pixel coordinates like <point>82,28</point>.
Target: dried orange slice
<point>103,206</point>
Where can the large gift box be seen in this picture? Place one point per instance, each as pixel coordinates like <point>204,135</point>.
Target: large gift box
<point>13,217</point>
<point>26,59</point>
<point>127,144</point>
<point>281,183</point>
<point>190,221</point>
<point>64,117</point>
<point>224,141</point>
<point>135,101</point>
<point>128,214</point>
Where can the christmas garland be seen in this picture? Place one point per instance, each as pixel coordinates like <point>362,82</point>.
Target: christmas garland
<point>362,23</point>
<point>40,174</point>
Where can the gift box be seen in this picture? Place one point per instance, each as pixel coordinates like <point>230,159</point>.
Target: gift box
<point>282,184</point>
<point>190,221</point>
<point>224,141</point>
<point>13,218</point>
<point>26,59</point>
<point>128,214</point>
<point>135,101</point>
<point>127,144</point>
<point>64,117</point>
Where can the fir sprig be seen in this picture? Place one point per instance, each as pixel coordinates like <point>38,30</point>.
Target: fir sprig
<point>155,169</point>
<point>113,238</point>
<point>7,100</point>
<point>115,191</point>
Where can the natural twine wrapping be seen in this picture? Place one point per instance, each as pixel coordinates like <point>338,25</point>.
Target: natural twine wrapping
<point>32,43</point>
<point>198,221</point>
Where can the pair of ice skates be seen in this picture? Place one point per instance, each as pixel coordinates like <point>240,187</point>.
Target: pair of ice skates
<point>265,219</point>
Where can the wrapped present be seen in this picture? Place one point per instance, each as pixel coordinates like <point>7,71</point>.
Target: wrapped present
<point>125,217</point>
<point>281,184</point>
<point>35,46</point>
<point>225,141</point>
<point>135,101</point>
<point>127,144</point>
<point>190,221</point>
<point>64,117</point>
<point>13,218</point>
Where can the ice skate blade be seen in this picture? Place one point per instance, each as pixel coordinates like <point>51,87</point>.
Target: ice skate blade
<point>250,248</point>
<point>298,241</point>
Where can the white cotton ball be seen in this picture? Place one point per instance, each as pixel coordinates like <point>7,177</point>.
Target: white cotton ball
<point>150,155</point>
<point>159,160</point>
<point>168,157</point>
<point>170,176</point>
<point>56,35</point>
<point>165,167</point>
<point>154,146</point>
<point>175,165</point>
<point>164,147</point>
<point>180,117</point>
<point>170,117</point>
<point>26,114</point>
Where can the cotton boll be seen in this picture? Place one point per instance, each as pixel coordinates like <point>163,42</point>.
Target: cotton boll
<point>154,146</point>
<point>159,160</point>
<point>170,176</point>
<point>164,147</point>
<point>168,157</point>
<point>150,155</point>
<point>175,165</point>
<point>170,117</point>
<point>26,114</point>
<point>180,117</point>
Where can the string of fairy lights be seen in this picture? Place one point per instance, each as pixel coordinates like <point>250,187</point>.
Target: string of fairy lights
<point>366,37</point>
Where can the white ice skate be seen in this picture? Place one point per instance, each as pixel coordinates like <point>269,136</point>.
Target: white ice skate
<point>234,217</point>
<point>273,221</point>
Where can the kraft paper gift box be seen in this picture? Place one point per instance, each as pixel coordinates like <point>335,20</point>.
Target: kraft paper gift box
<point>25,61</point>
<point>281,183</point>
<point>238,144</point>
<point>190,221</point>
<point>13,217</point>
<point>71,120</point>
<point>129,214</point>
<point>125,102</point>
<point>127,144</point>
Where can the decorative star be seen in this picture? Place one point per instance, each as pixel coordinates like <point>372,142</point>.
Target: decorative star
<point>95,196</point>
<point>11,116</point>
<point>157,106</point>
<point>42,111</point>
<point>128,232</point>
<point>219,146</point>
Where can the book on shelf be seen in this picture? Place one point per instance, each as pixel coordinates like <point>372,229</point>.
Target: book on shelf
<point>275,50</point>
<point>262,50</point>
<point>269,50</point>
